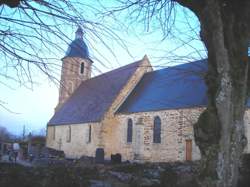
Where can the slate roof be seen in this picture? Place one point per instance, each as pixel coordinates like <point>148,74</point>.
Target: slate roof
<point>77,48</point>
<point>93,97</point>
<point>175,87</point>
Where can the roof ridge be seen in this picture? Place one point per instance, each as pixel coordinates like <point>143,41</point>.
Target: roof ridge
<point>175,66</point>
<point>114,70</point>
<point>162,90</point>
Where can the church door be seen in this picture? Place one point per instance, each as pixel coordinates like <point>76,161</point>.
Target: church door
<point>188,150</point>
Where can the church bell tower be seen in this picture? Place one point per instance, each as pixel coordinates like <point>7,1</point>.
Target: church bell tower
<point>76,67</point>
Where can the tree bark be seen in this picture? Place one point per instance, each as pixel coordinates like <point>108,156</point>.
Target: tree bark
<point>219,131</point>
<point>10,3</point>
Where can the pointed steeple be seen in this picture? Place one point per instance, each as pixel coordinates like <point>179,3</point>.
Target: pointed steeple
<point>78,47</point>
<point>79,33</point>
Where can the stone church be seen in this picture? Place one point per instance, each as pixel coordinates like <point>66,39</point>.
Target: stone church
<point>144,115</point>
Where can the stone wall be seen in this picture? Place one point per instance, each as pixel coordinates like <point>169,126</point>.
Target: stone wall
<point>111,134</point>
<point>71,77</point>
<point>176,128</point>
<point>79,144</point>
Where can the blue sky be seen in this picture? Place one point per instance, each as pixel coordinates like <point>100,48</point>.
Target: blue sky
<point>34,107</point>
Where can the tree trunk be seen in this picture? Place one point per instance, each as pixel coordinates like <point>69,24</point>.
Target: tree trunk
<point>219,131</point>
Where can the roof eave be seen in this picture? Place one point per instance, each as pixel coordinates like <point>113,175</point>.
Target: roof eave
<point>77,57</point>
<point>74,123</point>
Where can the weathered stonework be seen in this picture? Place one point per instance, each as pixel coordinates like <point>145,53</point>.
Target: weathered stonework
<point>79,144</point>
<point>176,128</point>
<point>71,77</point>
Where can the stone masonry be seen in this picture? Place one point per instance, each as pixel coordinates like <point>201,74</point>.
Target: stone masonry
<point>177,127</point>
<point>71,77</point>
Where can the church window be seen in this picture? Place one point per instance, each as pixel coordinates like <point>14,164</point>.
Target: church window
<point>69,134</point>
<point>53,133</point>
<point>157,130</point>
<point>82,68</point>
<point>89,138</point>
<point>129,130</point>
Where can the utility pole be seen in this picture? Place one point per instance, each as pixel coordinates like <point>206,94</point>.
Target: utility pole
<point>24,132</point>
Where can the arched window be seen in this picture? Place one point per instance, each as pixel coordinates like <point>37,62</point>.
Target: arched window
<point>157,130</point>
<point>129,131</point>
<point>69,134</point>
<point>89,139</point>
<point>82,68</point>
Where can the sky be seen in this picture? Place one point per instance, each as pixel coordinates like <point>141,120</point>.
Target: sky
<point>33,107</point>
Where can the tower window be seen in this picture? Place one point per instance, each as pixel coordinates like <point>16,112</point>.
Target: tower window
<point>157,130</point>
<point>129,131</point>
<point>82,68</point>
